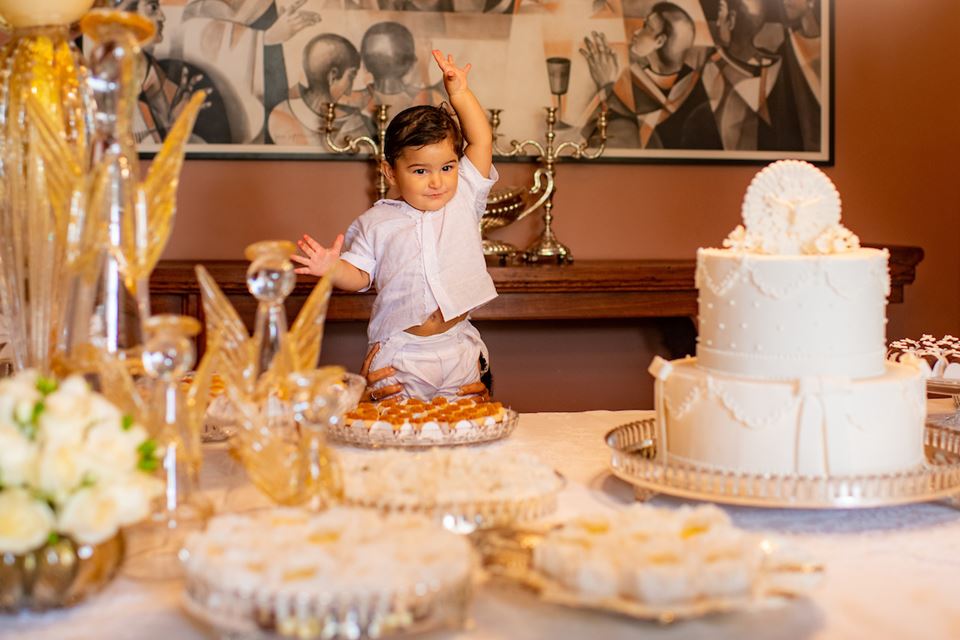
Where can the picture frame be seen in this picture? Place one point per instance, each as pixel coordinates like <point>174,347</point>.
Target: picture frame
<point>711,81</point>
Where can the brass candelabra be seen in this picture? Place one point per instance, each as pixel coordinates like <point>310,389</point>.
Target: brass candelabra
<point>353,145</point>
<point>547,246</point>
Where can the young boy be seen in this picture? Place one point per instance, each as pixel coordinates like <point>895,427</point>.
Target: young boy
<point>423,251</point>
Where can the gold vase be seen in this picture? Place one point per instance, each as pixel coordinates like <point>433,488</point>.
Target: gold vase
<point>58,574</point>
<point>40,64</point>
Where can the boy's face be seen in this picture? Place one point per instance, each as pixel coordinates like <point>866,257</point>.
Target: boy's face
<point>427,176</point>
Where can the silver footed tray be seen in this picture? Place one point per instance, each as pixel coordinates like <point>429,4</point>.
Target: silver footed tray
<point>633,459</point>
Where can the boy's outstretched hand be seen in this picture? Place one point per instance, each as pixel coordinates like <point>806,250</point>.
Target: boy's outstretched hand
<point>454,78</point>
<point>317,259</point>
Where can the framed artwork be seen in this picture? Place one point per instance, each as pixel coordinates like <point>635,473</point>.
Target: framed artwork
<point>682,80</point>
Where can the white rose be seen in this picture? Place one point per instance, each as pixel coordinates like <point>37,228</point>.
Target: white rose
<point>111,451</point>
<point>18,457</point>
<point>62,466</point>
<point>74,385</point>
<point>22,385</point>
<point>102,410</point>
<point>65,417</point>
<point>134,496</point>
<point>25,522</point>
<point>89,516</point>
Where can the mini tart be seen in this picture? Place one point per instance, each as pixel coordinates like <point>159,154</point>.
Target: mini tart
<point>411,415</point>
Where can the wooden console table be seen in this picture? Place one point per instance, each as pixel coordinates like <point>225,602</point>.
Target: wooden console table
<point>586,289</point>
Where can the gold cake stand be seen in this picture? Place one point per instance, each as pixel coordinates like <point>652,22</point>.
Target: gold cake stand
<point>633,459</point>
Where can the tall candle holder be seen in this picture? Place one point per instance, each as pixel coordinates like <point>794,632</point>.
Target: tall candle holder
<point>175,423</point>
<point>547,246</point>
<point>353,145</point>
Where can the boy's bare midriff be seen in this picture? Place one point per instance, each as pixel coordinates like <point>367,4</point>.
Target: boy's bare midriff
<point>434,324</point>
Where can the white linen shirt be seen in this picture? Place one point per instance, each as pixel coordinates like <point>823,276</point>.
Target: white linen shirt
<point>423,260</point>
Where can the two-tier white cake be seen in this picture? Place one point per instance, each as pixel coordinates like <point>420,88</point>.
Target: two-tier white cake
<point>790,375</point>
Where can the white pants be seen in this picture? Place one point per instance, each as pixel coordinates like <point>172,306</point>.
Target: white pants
<point>429,366</point>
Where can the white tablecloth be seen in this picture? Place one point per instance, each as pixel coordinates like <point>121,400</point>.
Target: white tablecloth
<point>891,573</point>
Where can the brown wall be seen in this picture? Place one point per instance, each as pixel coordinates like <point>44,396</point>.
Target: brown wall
<point>897,139</point>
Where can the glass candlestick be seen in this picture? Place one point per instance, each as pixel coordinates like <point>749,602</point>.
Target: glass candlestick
<point>270,279</point>
<point>157,543</point>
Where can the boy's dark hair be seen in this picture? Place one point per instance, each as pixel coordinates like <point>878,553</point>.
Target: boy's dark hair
<point>419,126</point>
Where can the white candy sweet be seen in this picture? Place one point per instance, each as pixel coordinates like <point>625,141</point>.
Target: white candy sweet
<point>652,555</point>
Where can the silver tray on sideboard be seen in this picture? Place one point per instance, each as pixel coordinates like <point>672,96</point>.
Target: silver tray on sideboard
<point>633,459</point>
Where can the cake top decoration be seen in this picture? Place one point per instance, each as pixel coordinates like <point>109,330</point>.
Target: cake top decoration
<point>791,208</point>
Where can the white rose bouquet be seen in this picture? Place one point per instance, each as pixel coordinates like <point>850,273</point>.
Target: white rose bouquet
<point>70,464</point>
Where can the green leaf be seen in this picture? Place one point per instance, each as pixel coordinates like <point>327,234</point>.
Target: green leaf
<point>147,448</point>
<point>148,464</point>
<point>127,422</point>
<point>53,538</point>
<point>148,456</point>
<point>46,385</point>
<point>38,410</point>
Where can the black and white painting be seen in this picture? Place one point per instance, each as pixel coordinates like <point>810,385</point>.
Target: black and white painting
<point>711,80</point>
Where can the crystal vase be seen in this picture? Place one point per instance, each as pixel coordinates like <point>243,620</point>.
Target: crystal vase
<point>118,223</point>
<point>58,574</point>
<point>41,64</point>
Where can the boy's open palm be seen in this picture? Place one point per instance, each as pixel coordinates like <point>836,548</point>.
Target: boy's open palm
<point>317,259</point>
<point>454,78</point>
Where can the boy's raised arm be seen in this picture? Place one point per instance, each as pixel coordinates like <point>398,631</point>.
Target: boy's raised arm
<point>473,119</point>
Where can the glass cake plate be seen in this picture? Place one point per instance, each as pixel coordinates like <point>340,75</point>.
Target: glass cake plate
<point>325,607</point>
<point>633,459</point>
<point>461,510</point>
<point>446,436</point>
<point>788,574</point>
<point>237,615</point>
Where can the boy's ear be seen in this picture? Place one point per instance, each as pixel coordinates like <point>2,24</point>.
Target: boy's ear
<point>388,173</point>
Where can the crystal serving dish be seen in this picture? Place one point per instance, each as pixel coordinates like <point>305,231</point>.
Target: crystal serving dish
<point>342,574</point>
<point>633,459</point>
<point>444,435</point>
<point>463,489</point>
<point>787,573</point>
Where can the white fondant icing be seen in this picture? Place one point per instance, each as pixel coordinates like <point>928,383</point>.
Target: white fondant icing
<point>819,314</point>
<point>810,426</point>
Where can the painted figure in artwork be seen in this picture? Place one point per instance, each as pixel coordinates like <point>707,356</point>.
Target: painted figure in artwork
<point>237,42</point>
<point>330,65</point>
<point>653,104</point>
<point>423,251</point>
<point>753,99</point>
<point>389,54</point>
<point>801,51</point>
<point>166,89</point>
